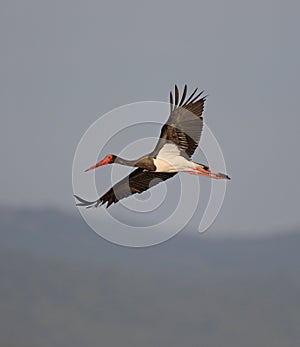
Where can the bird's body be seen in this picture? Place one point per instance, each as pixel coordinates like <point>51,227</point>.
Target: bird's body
<point>178,140</point>
<point>170,159</point>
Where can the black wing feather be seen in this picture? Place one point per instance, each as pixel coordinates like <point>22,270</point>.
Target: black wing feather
<point>171,102</point>
<point>176,95</point>
<point>185,123</point>
<point>137,182</point>
<point>190,97</point>
<point>183,95</point>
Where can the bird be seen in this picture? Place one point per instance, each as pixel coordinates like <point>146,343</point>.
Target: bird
<point>178,140</point>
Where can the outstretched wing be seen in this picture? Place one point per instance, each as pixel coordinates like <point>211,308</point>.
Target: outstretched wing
<point>184,125</point>
<point>137,182</point>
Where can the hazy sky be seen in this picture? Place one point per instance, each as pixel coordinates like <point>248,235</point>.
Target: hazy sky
<point>65,63</point>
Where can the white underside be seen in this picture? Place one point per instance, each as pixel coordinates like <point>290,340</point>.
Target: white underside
<point>179,164</point>
<point>170,160</point>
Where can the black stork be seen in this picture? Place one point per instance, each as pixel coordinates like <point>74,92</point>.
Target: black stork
<point>178,141</point>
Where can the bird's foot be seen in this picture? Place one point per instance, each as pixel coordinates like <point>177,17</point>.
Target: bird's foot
<point>208,173</point>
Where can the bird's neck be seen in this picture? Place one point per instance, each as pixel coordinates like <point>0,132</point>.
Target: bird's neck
<point>145,162</point>
<point>125,162</point>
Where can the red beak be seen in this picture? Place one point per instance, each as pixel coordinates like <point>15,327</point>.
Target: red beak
<point>102,162</point>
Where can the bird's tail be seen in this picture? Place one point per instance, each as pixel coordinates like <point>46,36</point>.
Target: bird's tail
<point>204,170</point>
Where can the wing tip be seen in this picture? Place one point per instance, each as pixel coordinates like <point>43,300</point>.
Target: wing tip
<point>184,101</point>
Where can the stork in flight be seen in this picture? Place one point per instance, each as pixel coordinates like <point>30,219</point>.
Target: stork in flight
<point>179,138</point>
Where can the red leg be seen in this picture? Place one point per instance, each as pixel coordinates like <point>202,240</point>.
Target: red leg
<point>208,173</point>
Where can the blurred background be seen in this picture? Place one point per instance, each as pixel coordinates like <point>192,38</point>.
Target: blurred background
<point>66,63</point>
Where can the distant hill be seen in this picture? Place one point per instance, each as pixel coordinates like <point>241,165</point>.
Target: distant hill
<point>55,234</point>
<point>63,285</point>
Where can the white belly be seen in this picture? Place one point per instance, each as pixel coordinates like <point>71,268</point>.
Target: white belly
<point>169,160</point>
<point>175,164</point>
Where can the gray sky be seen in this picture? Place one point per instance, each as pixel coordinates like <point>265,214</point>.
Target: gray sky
<point>65,63</point>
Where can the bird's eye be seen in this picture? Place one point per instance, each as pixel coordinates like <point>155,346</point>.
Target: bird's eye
<point>109,157</point>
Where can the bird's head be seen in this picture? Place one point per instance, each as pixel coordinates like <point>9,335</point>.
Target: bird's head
<point>109,159</point>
